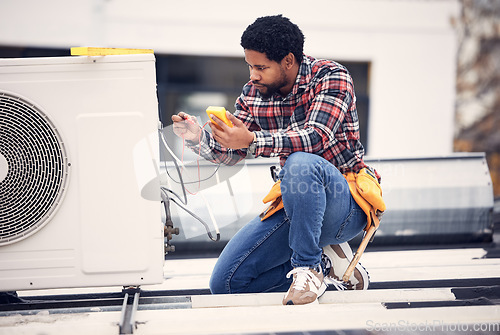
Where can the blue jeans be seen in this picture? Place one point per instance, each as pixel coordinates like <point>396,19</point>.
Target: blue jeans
<point>318,210</point>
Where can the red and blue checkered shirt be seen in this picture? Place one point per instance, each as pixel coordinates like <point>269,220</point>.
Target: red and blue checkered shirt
<point>318,116</point>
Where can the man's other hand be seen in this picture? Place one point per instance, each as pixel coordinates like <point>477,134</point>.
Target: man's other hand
<point>186,126</point>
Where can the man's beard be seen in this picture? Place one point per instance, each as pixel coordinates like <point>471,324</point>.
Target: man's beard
<point>271,89</point>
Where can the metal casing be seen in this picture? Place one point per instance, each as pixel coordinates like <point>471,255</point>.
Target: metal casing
<point>103,232</point>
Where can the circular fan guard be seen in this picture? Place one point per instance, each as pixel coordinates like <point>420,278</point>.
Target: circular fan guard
<point>34,168</point>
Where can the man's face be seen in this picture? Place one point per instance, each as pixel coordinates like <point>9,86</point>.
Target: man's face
<point>268,76</point>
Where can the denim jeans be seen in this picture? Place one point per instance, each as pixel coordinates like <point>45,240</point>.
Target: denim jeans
<point>318,210</point>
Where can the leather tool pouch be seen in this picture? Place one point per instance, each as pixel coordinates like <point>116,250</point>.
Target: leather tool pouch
<point>276,202</point>
<point>366,191</point>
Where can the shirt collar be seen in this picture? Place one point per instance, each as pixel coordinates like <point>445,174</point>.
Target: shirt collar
<point>303,76</point>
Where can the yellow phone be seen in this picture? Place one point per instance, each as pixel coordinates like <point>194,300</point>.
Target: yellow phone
<point>220,112</point>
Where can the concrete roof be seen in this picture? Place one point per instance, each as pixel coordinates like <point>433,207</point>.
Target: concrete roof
<point>452,289</point>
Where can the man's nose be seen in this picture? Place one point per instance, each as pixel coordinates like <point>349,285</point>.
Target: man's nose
<point>254,76</point>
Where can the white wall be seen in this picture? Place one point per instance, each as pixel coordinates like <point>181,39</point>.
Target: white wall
<point>411,45</point>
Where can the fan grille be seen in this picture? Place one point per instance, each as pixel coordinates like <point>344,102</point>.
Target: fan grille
<point>34,168</point>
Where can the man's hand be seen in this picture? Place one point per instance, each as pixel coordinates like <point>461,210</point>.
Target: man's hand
<point>186,126</point>
<point>237,137</point>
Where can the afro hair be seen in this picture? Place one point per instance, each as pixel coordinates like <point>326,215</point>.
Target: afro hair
<point>275,36</point>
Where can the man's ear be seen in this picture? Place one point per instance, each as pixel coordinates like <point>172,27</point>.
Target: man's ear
<point>288,61</point>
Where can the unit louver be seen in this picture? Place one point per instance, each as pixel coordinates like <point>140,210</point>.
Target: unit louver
<point>34,168</point>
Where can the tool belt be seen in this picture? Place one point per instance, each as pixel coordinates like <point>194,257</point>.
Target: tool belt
<point>367,193</point>
<point>276,202</point>
<point>364,188</point>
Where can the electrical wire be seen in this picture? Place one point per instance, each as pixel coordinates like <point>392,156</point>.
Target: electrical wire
<point>191,182</point>
<point>207,228</point>
<point>183,202</point>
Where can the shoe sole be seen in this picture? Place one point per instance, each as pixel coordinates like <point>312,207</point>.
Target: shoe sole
<point>321,291</point>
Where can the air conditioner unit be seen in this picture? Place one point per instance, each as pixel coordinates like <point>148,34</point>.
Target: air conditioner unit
<point>75,146</point>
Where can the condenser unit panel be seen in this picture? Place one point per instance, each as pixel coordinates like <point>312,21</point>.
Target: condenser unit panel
<point>71,211</point>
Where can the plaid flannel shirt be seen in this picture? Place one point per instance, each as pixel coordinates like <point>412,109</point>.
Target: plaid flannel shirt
<point>318,116</point>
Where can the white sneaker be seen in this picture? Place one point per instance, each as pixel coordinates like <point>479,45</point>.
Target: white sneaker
<point>337,259</point>
<point>306,288</point>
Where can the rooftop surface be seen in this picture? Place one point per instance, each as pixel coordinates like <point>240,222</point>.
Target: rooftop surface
<point>451,289</point>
